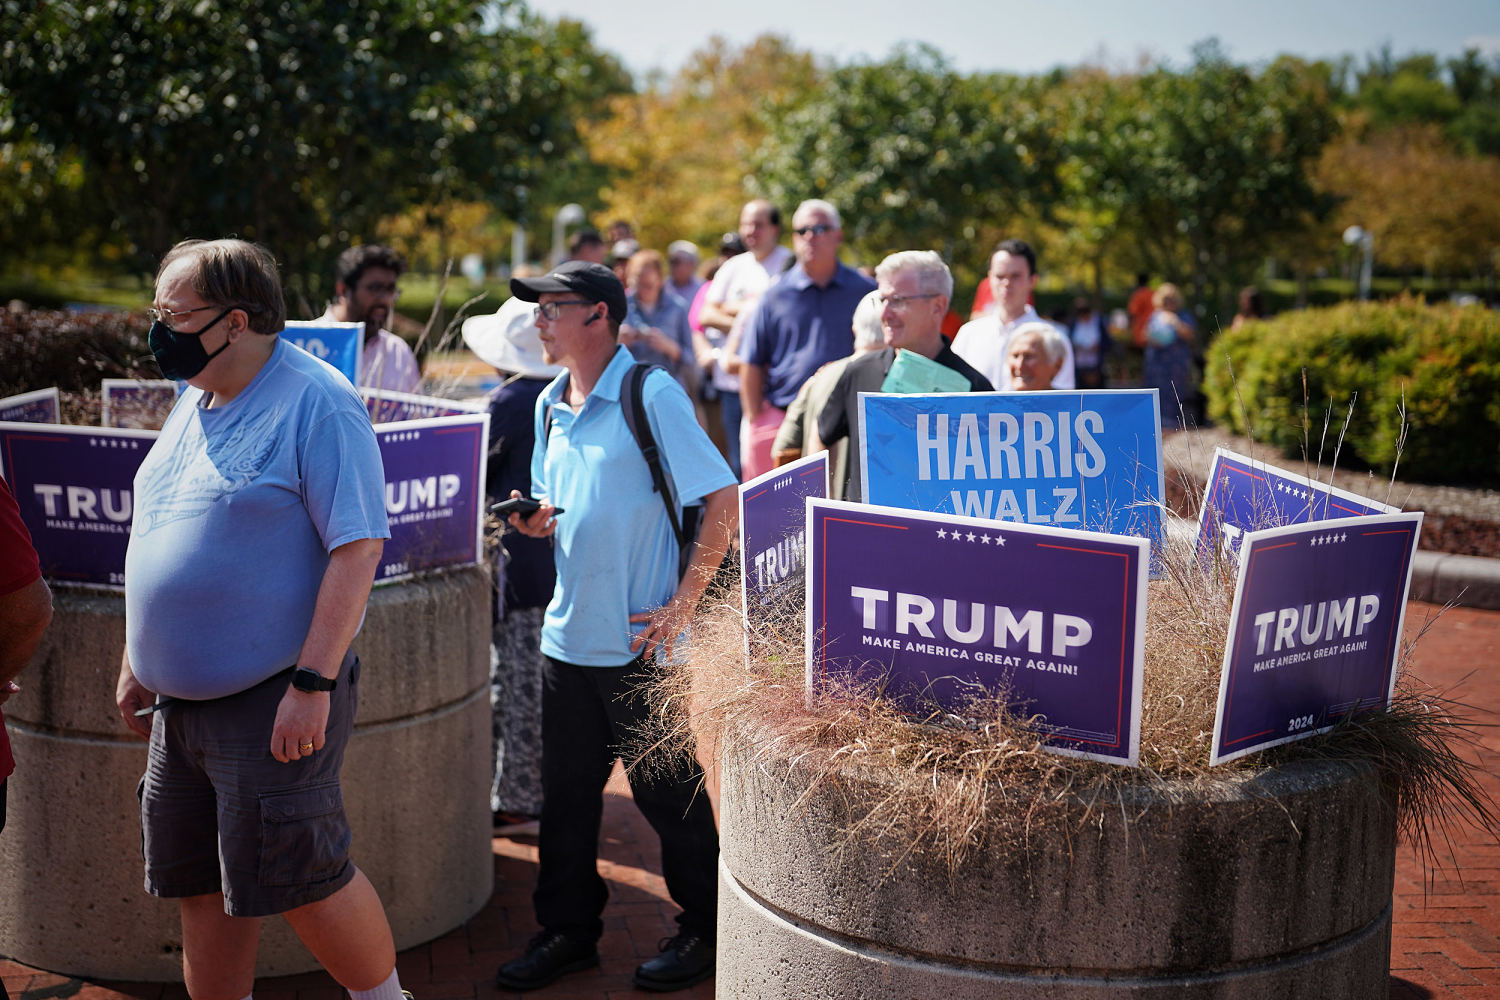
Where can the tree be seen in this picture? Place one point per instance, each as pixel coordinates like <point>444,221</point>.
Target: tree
<point>913,154</point>
<point>1211,167</point>
<point>299,124</point>
<point>678,153</point>
<point>1429,207</point>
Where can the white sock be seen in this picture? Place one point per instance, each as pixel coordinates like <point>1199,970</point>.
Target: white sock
<point>388,990</point>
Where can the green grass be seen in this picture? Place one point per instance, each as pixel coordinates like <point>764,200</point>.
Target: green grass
<point>419,291</point>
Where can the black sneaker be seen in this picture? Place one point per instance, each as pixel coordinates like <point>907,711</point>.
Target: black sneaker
<point>685,960</point>
<point>547,957</point>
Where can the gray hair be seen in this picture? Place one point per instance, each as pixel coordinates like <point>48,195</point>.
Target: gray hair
<point>819,205</point>
<point>933,276</point>
<point>234,274</point>
<point>1052,340</point>
<point>867,331</point>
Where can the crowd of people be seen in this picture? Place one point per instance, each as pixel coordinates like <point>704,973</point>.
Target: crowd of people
<point>638,388</point>
<point>762,351</point>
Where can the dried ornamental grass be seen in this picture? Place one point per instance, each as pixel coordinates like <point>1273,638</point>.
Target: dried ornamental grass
<point>950,784</point>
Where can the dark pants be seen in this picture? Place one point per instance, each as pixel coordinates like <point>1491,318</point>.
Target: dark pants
<point>589,717</point>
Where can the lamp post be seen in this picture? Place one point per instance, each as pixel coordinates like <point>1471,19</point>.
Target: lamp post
<point>570,214</point>
<point>518,235</point>
<point>1366,241</point>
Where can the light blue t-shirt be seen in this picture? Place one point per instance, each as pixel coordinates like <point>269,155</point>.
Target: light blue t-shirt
<point>236,510</point>
<point>615,551</point>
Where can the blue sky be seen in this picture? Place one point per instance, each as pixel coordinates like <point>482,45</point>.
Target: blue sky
<point>1037,35</point>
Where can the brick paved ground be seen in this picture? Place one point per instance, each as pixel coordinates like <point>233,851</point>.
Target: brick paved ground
<point>1446,942</point>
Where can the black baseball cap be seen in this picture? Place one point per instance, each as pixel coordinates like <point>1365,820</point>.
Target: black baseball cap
<point>594,282</point>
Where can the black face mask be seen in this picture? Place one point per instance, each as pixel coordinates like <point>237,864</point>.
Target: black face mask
<point>180,355</point>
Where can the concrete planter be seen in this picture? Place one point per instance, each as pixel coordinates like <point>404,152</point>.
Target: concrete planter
<point>416,779</point>
<point>1275,885</point>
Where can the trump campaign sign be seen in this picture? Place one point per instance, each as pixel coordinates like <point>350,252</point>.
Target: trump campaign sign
<point>75,486</point>
<point>386,406</point>
<point>340,344</point>
<point>42,406</point>
<point>1082,460</point>
<point>1315,631</point>
<point>139,403</point>
<point>434,492</point>
<point>773,543</point>
<point>1244,495</point>
<point>937,609</point>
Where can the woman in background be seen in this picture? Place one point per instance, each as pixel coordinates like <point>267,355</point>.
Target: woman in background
<point>1169,354</point>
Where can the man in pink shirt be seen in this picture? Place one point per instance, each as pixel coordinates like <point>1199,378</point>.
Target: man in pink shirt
<point>365,292</point>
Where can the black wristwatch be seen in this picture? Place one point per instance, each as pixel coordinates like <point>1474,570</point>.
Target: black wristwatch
<point>307,679</point>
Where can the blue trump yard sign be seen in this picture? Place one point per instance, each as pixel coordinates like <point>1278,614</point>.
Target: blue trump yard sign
<point>1081,460</point>
<point>1315,633</point>
<point>1245,495</point>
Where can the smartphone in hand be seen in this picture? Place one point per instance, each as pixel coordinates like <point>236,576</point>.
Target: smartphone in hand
<point>525,506</point>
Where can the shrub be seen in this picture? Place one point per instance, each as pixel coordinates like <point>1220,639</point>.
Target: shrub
<point>40,348</point>
<point>1444,360</point>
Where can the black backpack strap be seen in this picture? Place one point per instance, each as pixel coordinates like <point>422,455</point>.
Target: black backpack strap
<point>632,399</point>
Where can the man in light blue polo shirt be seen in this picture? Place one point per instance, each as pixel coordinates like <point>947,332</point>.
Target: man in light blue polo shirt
<point>804,321</point>
<point>617,603</point>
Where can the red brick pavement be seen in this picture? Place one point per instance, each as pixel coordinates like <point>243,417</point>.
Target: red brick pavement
<point>1445,944</point>
<point>1446,938</point>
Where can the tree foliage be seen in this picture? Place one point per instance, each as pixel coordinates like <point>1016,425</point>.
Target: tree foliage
<point>1210,167</point>
<point>1429,207</point>
<point>678,153</point>
<point>910,151</point>
<point>296,123</point>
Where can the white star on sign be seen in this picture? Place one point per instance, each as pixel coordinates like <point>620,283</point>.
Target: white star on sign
<point>941,533</point>
<point>972,536</point>
<point>999,539</point>
<point>985,539</point>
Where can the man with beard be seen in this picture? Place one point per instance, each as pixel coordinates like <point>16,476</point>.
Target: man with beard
<point>365,292</point>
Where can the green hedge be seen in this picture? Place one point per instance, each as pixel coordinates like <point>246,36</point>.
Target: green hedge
<point>1444,358</point>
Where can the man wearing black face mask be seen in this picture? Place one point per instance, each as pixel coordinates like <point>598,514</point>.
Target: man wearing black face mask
<point>257,527</point>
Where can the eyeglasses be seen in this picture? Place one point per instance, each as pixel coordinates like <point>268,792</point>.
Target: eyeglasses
<point>167,316</point>
<point>549,311</point>
<point>817,229</point>
<point>162,315</point>
<point>900,302</point>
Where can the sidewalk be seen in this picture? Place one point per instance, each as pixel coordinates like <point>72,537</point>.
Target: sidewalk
<point>1445,944</point>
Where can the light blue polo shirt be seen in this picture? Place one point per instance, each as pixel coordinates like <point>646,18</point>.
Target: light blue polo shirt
<point>615,551</point>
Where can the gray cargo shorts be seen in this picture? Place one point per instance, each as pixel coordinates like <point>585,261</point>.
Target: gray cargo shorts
<point>220,814</point>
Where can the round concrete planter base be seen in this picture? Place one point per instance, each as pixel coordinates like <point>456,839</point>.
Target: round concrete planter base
<point>415,782</point>
<point>1272,885</point>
